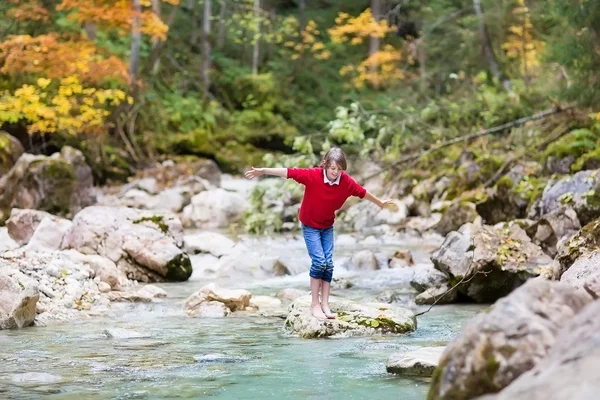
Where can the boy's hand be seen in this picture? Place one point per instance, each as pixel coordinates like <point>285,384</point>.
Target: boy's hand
<point>254,173</point>
<point>390,203</point>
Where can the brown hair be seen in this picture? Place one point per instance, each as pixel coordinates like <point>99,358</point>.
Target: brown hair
<point>334,155</point>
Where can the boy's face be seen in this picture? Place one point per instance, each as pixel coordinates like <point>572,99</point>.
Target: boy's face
<point>333,171</point>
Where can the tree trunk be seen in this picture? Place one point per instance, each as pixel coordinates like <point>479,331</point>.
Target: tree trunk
<point>256,38</point>
<point>302,14</point>
<point>90,30</point>
<point>156,42</point>
<point>222,16</point>
<point>488,51</point>
<point>374,41</point>
<point>136,41</point>
<point>205,46</point>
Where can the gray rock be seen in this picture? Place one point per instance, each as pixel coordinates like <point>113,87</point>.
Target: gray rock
<point>234,299</point>
<point>553,227</point>
<point>509,339</point>
<point>364,260</point>
<point>490,261</point>
<point>440,294</point>
<point>209,309</point>
<point>120,333</point>
<point>10,151</point>
<point>6,242</point>
<point>216,208</point>
<point>22,224</point>
<point>425,277</point>
<point>585,268</point>
<point>17,302</point>
<point>458,214</point>
<point>208,242</point>
<point>570,370</point>
<point>420,362</point>
<point>290,294</point>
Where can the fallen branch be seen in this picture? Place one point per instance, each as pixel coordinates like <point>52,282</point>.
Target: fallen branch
<point>460,139</point>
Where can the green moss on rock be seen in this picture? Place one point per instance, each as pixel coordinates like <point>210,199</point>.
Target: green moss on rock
<point>158,220</point>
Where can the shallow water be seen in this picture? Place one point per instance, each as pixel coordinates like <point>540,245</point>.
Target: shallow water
<point>239,357</point>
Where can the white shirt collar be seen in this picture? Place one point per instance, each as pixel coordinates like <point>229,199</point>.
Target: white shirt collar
<point>326,180</point>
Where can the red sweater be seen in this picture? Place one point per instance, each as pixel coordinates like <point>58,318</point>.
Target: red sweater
<point>321,200</point>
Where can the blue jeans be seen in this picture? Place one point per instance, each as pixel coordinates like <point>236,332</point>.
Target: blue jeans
<point>319,243</point>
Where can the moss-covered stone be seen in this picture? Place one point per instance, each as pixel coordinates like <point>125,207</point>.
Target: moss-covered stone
<point>10,151</point>
<point>179,268</point>
<point>55,182</point>
<point>158,220</point>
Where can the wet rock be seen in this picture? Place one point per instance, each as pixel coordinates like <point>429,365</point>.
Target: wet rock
<point>509,339</point>
<point>569,371</point>
<point>353,319</point>
<point>490,261</point>
<point>17,302</point>
<point>10,151</point>
<point>208,242</point>
<point>553,227</point>
<point>233,299</point>
<point>216,208</point>
<point>420,362</point>
<point>458,214</point>
<point>120,333</point>
<point>146,245</point>
<point>209,309</point>
<point>152,291</point>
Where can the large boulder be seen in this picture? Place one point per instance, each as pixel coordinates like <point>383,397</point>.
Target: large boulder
<point>44,183</point>
<point>146,245</point>
<point>420,362</point>
<point>49,234</point>
<point>553,227</point>
<point>499,345</point>
<point>17,302</point>
<point>216,208</point>
<point>570,370</point>
<point>353,319</point>
<point>208,242</point>
<point>10,151</point>
<point>577,191</point>
<point>585,269</point>
<point>22,224</point>
<point>489,262</point>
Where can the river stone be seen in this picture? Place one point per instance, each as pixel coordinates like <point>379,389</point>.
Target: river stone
<point>146,245</point>
<point>23,223</point>
<point>35,378</point>
<point>215,208</point>
<point>440,294</point>
<point>129,297</point>
<point>209,309</point>
<point>17,302</point>
<point>6,242</point>
<point>353,319</point>
<point>420,362</point>
<point>104,269</point>
<point>10,151</point>
<point>499,345</point>
<point>152,291</point>
<point>208,242</point>
<point>553,227</point>
<point>401,259</point>
<point>570,370</point>
<point>234,299</point>
<point>425,277</point>
<point>49,234</point>
<point>491,261</point>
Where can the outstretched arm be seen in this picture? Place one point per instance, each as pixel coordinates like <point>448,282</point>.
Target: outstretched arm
<point>256,172</point>
<point>380,203</point>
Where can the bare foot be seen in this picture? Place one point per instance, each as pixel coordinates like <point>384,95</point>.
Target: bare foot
<point>317,312</point>
<point>327,312</point>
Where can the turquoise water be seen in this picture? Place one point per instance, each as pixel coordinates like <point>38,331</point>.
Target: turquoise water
<point>247,357</point>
